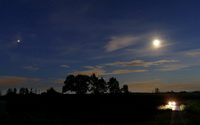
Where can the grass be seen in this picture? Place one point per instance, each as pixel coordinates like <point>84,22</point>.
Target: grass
<point>192,112</point>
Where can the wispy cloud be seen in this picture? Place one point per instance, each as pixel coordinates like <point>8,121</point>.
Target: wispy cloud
<point>18,82</point>
<point>98,70</point>
<point>120,42</point>
<point>15,79</point>
<point>148,50</point>
<point>132,63</point>
<point>172,67</point>
<point>140,63</point>
<point>194,53</point>
<point>64,66</point>
<point>125,71</point>
<point>164,61</point>
<point>31,68</point>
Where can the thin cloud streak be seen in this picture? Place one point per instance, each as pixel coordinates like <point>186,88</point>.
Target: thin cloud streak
<point>31,68</point>
<point>15,79</point>
<point>117,43</point>
<point>18,82</point>
<point>140,63</point>
<point>132,63</point>
<point>172,67</point>
<point>195,53</point>
<point>64,66</point>
<point>100,71</point>
<point>125,71</point>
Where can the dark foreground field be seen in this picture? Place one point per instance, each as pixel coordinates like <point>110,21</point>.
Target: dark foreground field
<point>132,109</point>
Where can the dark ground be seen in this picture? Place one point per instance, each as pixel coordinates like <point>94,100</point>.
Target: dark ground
<point>137,109</point>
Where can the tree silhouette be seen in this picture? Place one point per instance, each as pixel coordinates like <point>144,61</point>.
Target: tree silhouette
<point>102,87</point>
<point>69,84</point>
<point>93,83</point>
<point>10,92</point>
<point>22,91</point>
<point>26,91</point>
<point>31,91</point>
<point>82,83</point>
<point>157,90</point>
<point>14,91</point>
<point>124,89</point>
<point>97,85</point>
<point>52,91</point>
<point>113,85</point>
<point>78,84</point>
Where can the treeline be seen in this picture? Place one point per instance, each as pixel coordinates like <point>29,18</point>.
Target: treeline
<point>27,91</point>
<point>82,84</point>
<point>21,91</point>
<point>79,84</point>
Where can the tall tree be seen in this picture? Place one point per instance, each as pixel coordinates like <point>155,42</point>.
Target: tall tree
<point>69,84</point>
<point>14,91</point>
<point>22,91</point>
<point>113,85</point>
<point>102,86</point>
<point>78,84</point>
<point>82,84</point>
<point>97,85</point>
<point>26,91</point>
<point>31,91</point>
<point>9,91</point>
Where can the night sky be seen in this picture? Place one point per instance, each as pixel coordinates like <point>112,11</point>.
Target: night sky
<point>43,41</point>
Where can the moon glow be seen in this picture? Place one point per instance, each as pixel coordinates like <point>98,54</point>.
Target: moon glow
<point>18,41</point>
<point>156,43</point>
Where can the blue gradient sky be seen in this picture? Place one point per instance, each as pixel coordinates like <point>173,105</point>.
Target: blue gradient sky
<point>112,38</point>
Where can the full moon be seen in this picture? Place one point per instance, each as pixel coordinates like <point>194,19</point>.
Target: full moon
<point>18,41</point>
<point>156,43</point>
